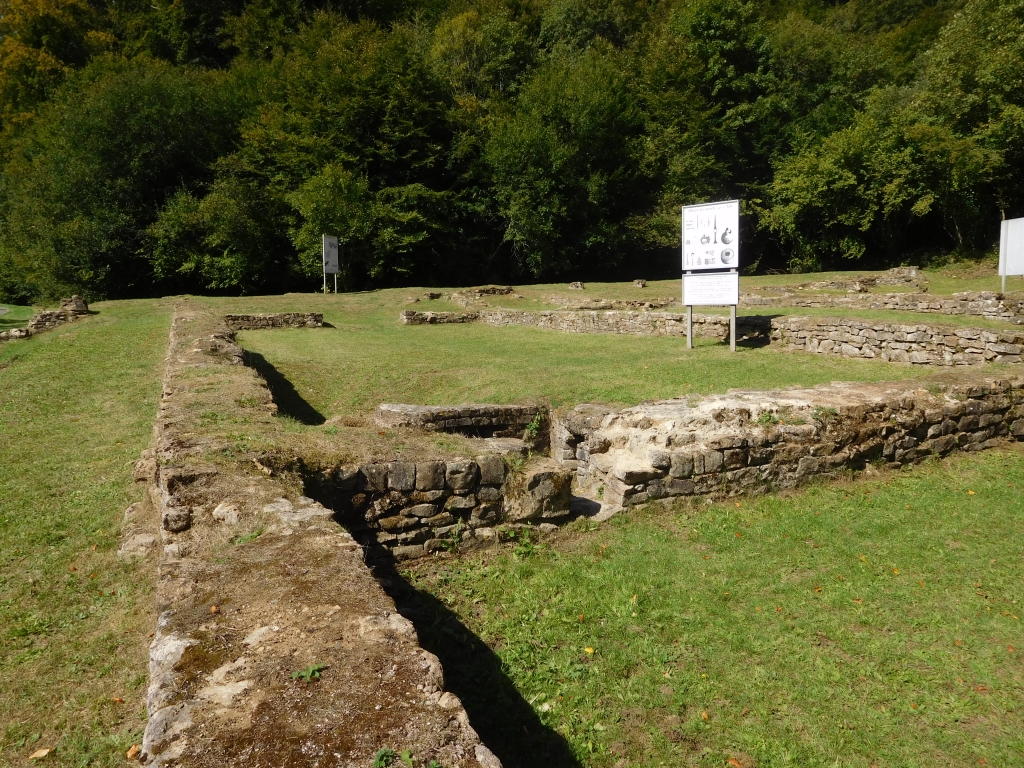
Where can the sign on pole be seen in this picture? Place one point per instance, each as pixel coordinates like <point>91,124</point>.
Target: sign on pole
<point>1011,248</point>
<point>711,260</point>
<point>330,260</point>
<point>711,236</point>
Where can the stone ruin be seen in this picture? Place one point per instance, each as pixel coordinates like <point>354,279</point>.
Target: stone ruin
<point>70,310</point>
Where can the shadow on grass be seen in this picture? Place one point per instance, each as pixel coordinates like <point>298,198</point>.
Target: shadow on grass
<point>506,723</point>
<point>289,401</point>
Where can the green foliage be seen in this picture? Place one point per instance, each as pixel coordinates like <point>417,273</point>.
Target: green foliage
<point>187,145</point>
<point>384,758</point>
<point>310,673</point>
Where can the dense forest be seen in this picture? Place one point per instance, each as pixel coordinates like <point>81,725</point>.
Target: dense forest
<point>153,147</point>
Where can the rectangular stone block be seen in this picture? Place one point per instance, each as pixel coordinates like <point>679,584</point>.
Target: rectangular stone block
<point>402,476</point>
<point>421,510</point>
<point>374,476</point>
<point>681,465</point>
<point>430,476</point>
<point>492,469</point>
<point>462,475</point>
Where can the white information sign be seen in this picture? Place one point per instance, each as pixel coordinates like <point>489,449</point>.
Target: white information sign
<point>711,290</point>
<point>1011,247</point>
<point>711,236</point>
<point>330,255</point>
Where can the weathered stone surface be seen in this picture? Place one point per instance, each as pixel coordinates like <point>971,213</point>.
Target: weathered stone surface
<point>280,320</point>
<point>139,545</point>
<point>374,476</point>
<point>421,510</point>
<point>492,469</point>
<point>546,493</point>
<point>462,475</point>
<point>731,449</point>
<point>401,476</point>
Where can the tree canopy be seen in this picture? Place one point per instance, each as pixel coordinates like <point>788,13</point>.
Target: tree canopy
<point>167,146</point>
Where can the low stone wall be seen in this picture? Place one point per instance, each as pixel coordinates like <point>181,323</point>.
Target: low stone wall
<point>70,310</point>
<point>280,320</point>
<point>918,344</point>
<point>492,420</point>
<point>996,306</point>
<point>750,442</point>
<point>417,508</point>
<point>256,583</point>
<point>630,323</point>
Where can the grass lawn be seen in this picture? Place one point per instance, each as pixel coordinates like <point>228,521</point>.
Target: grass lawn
<point>367,358</point>
<point>76,408</point>
<point>14,317</point>
<point>875,622</point>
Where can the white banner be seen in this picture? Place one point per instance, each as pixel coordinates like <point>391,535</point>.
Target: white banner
<point>330,255</point>
<point>711,290</point>
<point>711,236</point>
<point>1011,247</point>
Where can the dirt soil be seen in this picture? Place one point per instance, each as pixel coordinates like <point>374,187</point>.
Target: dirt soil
<point>275,644</point>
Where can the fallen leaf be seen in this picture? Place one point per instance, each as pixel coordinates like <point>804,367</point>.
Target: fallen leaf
<point>590,651</point>
<point>118,700</point>
<point>704,715</point>
<point>982,761</point>
<point>737,503</point>
<point>921,583</point>
<point>382,433</point>
<point>970,493</point>
<point>744,712</point>
<point>39,754</point>
<point>779,609</point>
<point>958,643</point>
<point>1011,649</point>
<point>913,705</point>
<point>581,618</point>
<point>862,558</point>
<point>857,600</point>
<point>93,547</point>
<point>633,599</point>
<point>133,752</point>
<point>151,634</point>
<point>896,571</point>
<point>980,688</point>
<point>817,589</point>
<point>214,609</point>
<point>72,569</point>
<point>734,762</point>
<point>739,535</point>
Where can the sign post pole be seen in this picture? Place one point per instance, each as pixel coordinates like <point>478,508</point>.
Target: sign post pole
<point>689,317</point>
<point>711,261</point>
<point>330,243</point>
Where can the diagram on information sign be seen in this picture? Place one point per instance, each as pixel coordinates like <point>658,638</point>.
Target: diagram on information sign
<point>709,236</point>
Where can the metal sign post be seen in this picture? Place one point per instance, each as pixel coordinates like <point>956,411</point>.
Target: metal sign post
<point>1011,248</point>
<point>330,253</point>
<point>711,261</point>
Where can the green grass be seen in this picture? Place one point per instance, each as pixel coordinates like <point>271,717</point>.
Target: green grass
<point>14,317</point>
<point>368,358</point>
<point>869,623</point>
<point>76,408</point>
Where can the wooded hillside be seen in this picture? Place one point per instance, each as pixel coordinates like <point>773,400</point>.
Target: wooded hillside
<point>153,147</point>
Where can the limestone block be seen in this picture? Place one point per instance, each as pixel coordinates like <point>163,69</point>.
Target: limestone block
<point>462,475</point>
<point>713,461</point>
<point>488,493</point>
<point>430,476</point>
<point>681,465</point>
<point>176,519</point>
<point>346,478</point>
<point>444,518</point>
<point>402,476</point>
<point>426,497</point>
<point>735,458</point>
<point>547,493</point>
<point>421,510</point>
<point>460,503</point>
<point>492,469</point>
<point>398,523</point>
<point>1017,429</point>
<point>374,477</point>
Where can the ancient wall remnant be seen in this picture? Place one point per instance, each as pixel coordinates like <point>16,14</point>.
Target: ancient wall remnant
<point>472,418</point>
<point>70,310</point>
<point>996,306</point>
<point>750,442</point>
<point>898,343</point>
<point>633,323</point>
<point>278,320</point>
<point>258,586</point>
<point>415,508</point>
